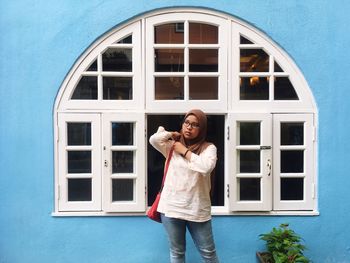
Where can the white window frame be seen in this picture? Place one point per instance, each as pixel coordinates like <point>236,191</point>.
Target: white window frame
<point>143,103</point>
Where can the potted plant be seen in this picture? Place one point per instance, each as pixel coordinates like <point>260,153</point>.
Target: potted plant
<point>283,246</point>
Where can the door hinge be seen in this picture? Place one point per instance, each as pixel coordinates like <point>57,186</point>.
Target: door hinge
<point>313,134</point>
<point>313,191</point>
<point>228,191</point>
<point>59,192</point>
<point>58,134</point>
<point>228,133</point>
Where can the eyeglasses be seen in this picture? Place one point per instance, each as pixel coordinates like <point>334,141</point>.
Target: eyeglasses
<point>193,125</point>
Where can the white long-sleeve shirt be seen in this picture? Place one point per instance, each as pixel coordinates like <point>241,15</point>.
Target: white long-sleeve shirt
<point>186,191</point>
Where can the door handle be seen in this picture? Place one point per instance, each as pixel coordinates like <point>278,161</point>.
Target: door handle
<point>269,167</point>
<point>105,163</point>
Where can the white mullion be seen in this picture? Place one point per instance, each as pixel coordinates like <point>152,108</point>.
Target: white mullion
<point>99,78</point>
<point>116,74</point>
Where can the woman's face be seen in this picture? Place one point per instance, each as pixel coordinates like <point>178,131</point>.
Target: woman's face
<point>190,127</point>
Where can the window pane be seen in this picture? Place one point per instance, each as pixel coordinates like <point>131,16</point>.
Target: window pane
<point>79,162</point>
<point>284,89</point>
<point>169,60</point>
<point>249,161</point>
<point>86,89</point>
<point>292,189</point>
<point>117,59</point>
<point>79,133</point>
<point>254,88</point>
<point>117,88</point>
<point>122,190</point>
<point>169,88</point>
<point>79,190</point>
<point>254,60</point>
<point>277,67</point>
<point>93,66</point>
<point>244,40</point>
<point>203,33</point>
<point>292,161</point>
<point>122,133</point>
<point>203,88</point>
<point>292,133</point>
<point>203,60</point>
<point>122,162</point>
<point>249,189</point>
<point>249,133</point>
<point>172,33</point>
<point>125,40</point>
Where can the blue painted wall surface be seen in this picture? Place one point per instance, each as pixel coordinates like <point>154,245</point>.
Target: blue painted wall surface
<point>40,41</point>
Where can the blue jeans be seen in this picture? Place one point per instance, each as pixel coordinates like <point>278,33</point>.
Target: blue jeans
<point>202,236</point>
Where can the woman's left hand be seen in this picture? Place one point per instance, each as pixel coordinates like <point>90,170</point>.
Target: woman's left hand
<point>180,148</point>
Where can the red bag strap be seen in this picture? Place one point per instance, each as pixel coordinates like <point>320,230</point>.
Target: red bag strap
<point>167,166</point>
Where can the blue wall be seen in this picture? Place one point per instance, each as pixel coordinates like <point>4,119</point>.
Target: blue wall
<point>40,41</point>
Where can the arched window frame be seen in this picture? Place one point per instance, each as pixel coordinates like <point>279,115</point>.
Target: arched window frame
<point>228,103</point>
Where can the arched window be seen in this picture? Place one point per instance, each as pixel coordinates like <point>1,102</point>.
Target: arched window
<point>149,72</point>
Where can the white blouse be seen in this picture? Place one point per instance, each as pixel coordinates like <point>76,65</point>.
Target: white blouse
<point>186,191</point>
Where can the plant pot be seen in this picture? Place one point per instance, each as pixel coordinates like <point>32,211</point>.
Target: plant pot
<point>264,257</point>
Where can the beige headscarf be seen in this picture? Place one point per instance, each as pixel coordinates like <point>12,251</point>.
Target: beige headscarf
<point>198,144</point>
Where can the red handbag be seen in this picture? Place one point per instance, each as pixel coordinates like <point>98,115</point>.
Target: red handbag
<point>152,213</point>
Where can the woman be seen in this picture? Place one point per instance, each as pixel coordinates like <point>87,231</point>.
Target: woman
<point>185,199</point>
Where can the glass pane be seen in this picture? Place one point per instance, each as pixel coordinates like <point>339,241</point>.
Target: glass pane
<point>292,161</point>
<point>125,40</point>
<point>249,189</point>
<point>79,189</point>
<point>122,162</point>
<point>79,162</point>
<point>284,89</point>
<point>93,66</point>
<point>292,133</point>
<point>277,67</point>
<point>244,40</point>
<point>254,88</point>
<point>292,189</point>
<point>169,60</point>
<point>203,60</point>
<point>169,88</point>
<point>203,88</point>
<point>122,133</point>
<point>249,161</point>
<point>79,133</point>
<point>172,33</point>
<point>249,133</point>
<point>254,60</point>
<point>203,33</point>
<point>117,88</point>
<point>122,190</point>
<point>117,59</point>
<point>86,89</point>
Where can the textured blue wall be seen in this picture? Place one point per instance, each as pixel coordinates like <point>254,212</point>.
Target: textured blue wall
<point>40,41</point>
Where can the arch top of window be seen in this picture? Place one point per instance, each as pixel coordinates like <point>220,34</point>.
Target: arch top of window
<point>112,73</point>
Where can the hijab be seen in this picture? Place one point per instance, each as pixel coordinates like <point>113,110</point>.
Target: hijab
<point>198,144</point>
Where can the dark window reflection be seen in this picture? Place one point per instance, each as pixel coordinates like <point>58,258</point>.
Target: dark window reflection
<point>249,133</point>
<point>169,60</point>
<point>249,161</point>
<point>117,88</point>
<point>284,89</point>
<point>86,89</point>
<point>254,88</point>
<point>203,33</point>
<point>203,60</point>
<point>79,133</point>
<point>93,66</point>
<point>203,88</point>
<point>125,40</point>
<point>117,59</point>
<point>254,60</point>
<point>292,188</point>
<point>122,133</point>
<point>79,162</point>
<point>244,40</point>
<point>292,161</point>
<point>249,189</point>
<point>172,33</point>
<point>122,190</point>
<point>292,133</point>
<point>122,162</point>
<point>79,190</point>
<point>169,88</point>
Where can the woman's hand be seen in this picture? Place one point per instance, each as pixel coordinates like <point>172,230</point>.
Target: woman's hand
<point>182,150</point>
<point>175,136</point>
